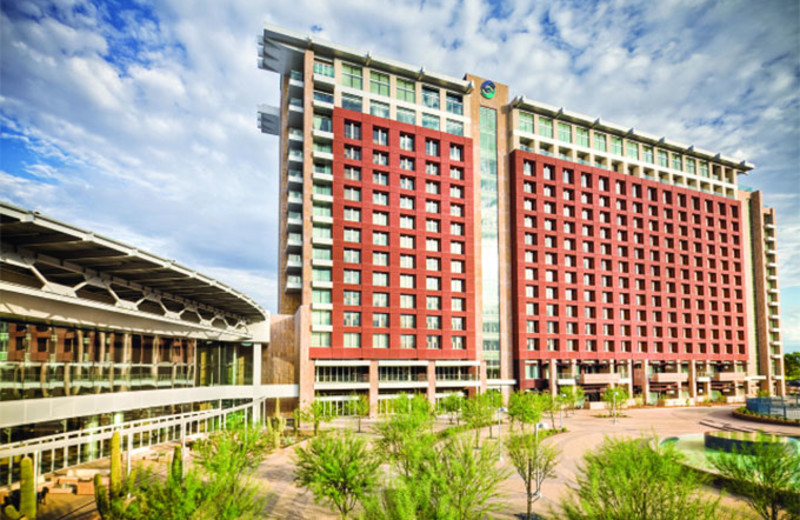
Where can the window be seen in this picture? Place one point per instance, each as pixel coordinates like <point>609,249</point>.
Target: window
<point>406,202</point>
<point>432,168</point>
<point>599,142</point>
<point>433,322</point>
<point>353,194</point>
<point>380,178</point>
<point>352,173</point>
<point>352,235</point>
<point>320,296</point>
<point>407,142</point>
<point>565,132</point>
<point>380,136</point>
<point>352,153</point>
<point>432,226</point>
<point>380,299</point>
<point>458,342</point>
<point>433,303</point>
<point>352,214</point>
<point>407,163</point>
<point>380,279</point>
<point>432,244</point>
<point>320,339</point>
<point>647,154</point>
<point>616,145</point>
<point>380,218</point>
<point>380,198</point>
<point>432,147</point>
<point>380,239</point>
<point>456,173</point>
<point>380,341</point>
<point>352,297</point>
<point>432,187</point>
<point>633,150</point>
<point>663,158</point>
<point>456,228</point>
<point>457,285</point>
<point>582,137</point>
<point>351,102</point>
<point>408,341</point>
<point>433,264</point>
<point>456,192</point>
<point>458,304</point>
<point>455,127</point>
<point>456,210</point>
<point>545,127</point>
<point>320,317</point>
<point>406,242</point>
<point>323,68</point>
<point>408,321</point>
<point>433,283</point>
<point>456,152</point>
<point>380,158</point>
<point>455,105</point>
<point>351,340</point>
<point>379,109</point>
<point>406,116</point>
<point>676,162</point>
<point>430,97</point>
<point>379,83</point>
<point>352,256</point>
<point>405,91</point>
<point>526,122</point>
<point>406,222</point>
<point>430,121</point>
<point>323,123</point>
<point>352,319</point>
<point>351,76</point>
<point>407,262</point>
<point>380,319</point>
<point>352,130</point>
<point>380,258</point>
<point>431,206</point>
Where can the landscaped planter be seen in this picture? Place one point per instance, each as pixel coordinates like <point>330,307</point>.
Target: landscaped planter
<point>736,441</point>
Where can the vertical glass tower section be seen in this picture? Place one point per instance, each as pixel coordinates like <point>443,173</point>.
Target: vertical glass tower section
<point>490,249</point>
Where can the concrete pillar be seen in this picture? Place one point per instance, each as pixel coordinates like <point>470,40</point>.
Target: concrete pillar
<point>645,381</point>
<point>431,368</point>
<point>629,369</point>
<point>553,377</point>
<point>256,364</point>
<point>693,380</point>
<point>373,388</point>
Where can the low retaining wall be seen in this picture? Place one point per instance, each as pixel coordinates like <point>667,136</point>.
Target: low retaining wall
<point>787,408</point>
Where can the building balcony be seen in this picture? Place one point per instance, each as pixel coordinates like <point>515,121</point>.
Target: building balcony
<point>321,80</point>
<point>322,135</point>
<point>774,316</point>
<point>322,219</point>
<point>320,284</point>
<point>770,238</point>
<point>296,135</point>
<point>772,264</point>
<point>319,197</point>
<point>294,283</point>
<point>322,156</point>
<point>342,386</point>
<point>703,377</point>
<point>322,106</point>
<point>294,219</point>
<point>769,226</point>
<point>294,261</point>
<point>599,379</point>
<point>323,177</point>
<point>295,177</point>
<point>296,156</point>
<point>294,198</point>
<point>322,241</point>
<point>774,291</point>
<point>669,377</point>
<point>775,330</point>
<point>321,262</point>
<point>294,240</point>
<point>772,278</point>
<point>566,379</point>
<point>730,376</point>
<point>773,303</point>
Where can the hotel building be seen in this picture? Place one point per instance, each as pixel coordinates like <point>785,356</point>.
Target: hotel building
<point>439,235</point>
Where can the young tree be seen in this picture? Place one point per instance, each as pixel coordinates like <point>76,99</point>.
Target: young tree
<point>767,475</point>
<point>339,470</point>
<point>791,363</point>
<point>179,497</point>
<point>534,461</point>
<point>478,413</point>
<point>452,404</point>
<point>524,408</point>
<point>626,479</point>
<point>360,403</point>
<point>317,412</point>
<point>615,398</point>
<point>449,481</point>
<point>228,458</point>
<point>578,397</point>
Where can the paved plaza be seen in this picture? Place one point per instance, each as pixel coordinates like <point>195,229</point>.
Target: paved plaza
<point>585,432</point>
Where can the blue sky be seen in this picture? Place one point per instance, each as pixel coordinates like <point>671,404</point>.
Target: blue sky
<point>138,119</point>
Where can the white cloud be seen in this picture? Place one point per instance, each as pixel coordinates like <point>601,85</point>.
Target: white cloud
<point>151,120</point>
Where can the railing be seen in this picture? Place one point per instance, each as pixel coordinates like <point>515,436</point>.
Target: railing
<point>456,377</point>
<point>401,378</point>
<point>354,378</point>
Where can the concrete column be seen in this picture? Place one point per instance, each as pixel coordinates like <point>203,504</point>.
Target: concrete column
<point>645,381</point>
<point>693,380</point>
<point>431,382</point>
<point>373,388</point>
<point>629,367</point>
<point>553,377</point>
<point>256,364</point>
<point>573,368</point>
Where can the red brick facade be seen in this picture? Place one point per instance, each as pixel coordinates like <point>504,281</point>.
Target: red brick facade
<point>443,191</point>
<point>665,262</point>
